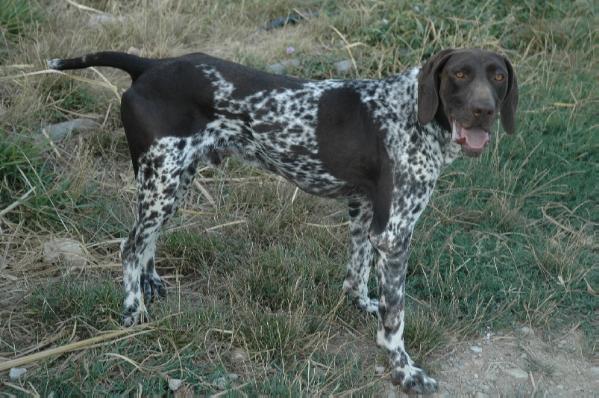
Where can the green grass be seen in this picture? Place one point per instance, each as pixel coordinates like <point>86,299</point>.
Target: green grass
<point>508,238</point>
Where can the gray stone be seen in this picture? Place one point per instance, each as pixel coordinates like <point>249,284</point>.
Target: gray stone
<point>103,19</point>
<point>526,330</point>
<point>344,66</point>
<point>174,384</point>
<point>68,251</point>
<point>60,131</point>
<point>239,356</point>
<point>15,373</point>
<point>517,373</point>
<point>222,382</point>
<point>280,68</point>
<point>476,349</point>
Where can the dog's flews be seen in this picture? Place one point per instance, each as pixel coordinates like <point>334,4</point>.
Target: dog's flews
<point>380,144</point>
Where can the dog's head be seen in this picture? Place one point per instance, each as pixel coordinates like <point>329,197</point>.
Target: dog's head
<point>465,90</point>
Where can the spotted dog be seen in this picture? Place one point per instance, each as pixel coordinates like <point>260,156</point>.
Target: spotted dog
<point>380,144</point>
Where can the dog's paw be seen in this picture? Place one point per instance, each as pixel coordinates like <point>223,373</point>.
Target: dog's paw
<point>134,315</point>
<point>414,380</point>
<point>152,287</point>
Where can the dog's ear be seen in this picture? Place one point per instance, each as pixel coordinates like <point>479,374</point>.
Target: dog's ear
<point>428,86</point>
<point>510,102</point>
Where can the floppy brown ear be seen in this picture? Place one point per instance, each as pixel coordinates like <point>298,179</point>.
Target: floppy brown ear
<point>428,86</point>
<point>510,102</point>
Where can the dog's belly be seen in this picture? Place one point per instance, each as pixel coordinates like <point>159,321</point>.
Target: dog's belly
<point>302,169</point>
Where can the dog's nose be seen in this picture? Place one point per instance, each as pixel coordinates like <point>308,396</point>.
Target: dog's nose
<point>483,110</point>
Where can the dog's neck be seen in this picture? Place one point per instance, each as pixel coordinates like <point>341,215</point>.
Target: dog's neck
<point>438,131</point>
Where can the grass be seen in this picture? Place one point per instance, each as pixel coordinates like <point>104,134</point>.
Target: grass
<point>508,238</point>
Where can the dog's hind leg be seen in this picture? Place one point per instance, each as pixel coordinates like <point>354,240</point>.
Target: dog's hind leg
<point>361,256</point>
<point>164,174</point>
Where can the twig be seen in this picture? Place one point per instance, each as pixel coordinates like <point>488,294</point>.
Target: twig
<point>205,193</point>
<point>347,47</point>
<point>51,143</point>
<point>78,345</point>
<point>341,224</point>
<point>220,394</point>
<point>228,224</point>
<point>17,202</point>
<point>84,8</point>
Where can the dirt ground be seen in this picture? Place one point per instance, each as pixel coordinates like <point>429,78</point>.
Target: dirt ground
<point>519,364</point>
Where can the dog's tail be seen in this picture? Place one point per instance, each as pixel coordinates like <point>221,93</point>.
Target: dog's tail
<point>131,64</point>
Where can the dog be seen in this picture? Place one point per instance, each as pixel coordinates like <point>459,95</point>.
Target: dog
<point>379,144</point>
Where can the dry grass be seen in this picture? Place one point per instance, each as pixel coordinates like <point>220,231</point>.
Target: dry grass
<point>253,267</point>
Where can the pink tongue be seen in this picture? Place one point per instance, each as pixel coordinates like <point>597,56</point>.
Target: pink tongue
<point>475,138</point>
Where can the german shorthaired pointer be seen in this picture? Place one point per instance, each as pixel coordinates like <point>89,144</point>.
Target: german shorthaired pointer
<point>380,144</point>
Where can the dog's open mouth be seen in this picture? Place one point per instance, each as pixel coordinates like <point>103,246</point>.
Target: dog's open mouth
<point>473,140</point>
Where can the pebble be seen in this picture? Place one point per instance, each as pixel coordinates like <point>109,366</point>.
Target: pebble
<point>223,381</point>
<point>68,251</point>
<point>15,373</point>
<point>517,373</point>
<point>174,384</point>
<point>526,330</point>
<point>379,370</point>
<point>134,51</point>
<point>60,131</point>
<point>239,355</point>
<point>343,66</point>
<point>104,18</point>
<point>476,349</point>
<point>281,67</point>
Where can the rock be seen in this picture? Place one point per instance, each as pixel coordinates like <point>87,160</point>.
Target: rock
<point>174,384</point>
<point>134,51</point>
<point>239,356</point>
<point>480,395</point>
<point>184,392</point>
<point>278,69</point>
<point>15,373</point>
<point>68,251</point>
<point>344,66</point>
<point>476,349</point>
<point>281,67</point>
<point>517,373</point>
<point>222,382</point>
<point>526,330</point>
<point>102,19</point>
<point>379,370</point>
<point>595,371</point>
<point>391,391</point>
<point>60,131</point>
<point>290,19</point>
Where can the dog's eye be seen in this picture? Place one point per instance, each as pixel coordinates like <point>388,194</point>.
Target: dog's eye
<point>460,75</point>
<point>499,77</point>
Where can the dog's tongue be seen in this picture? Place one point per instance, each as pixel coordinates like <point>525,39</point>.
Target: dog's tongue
<point>473,139</point>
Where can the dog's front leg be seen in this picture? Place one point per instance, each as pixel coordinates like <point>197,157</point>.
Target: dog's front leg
<point>393,248</point>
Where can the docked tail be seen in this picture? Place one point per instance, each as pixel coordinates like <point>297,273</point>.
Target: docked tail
<point>131,64</point>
